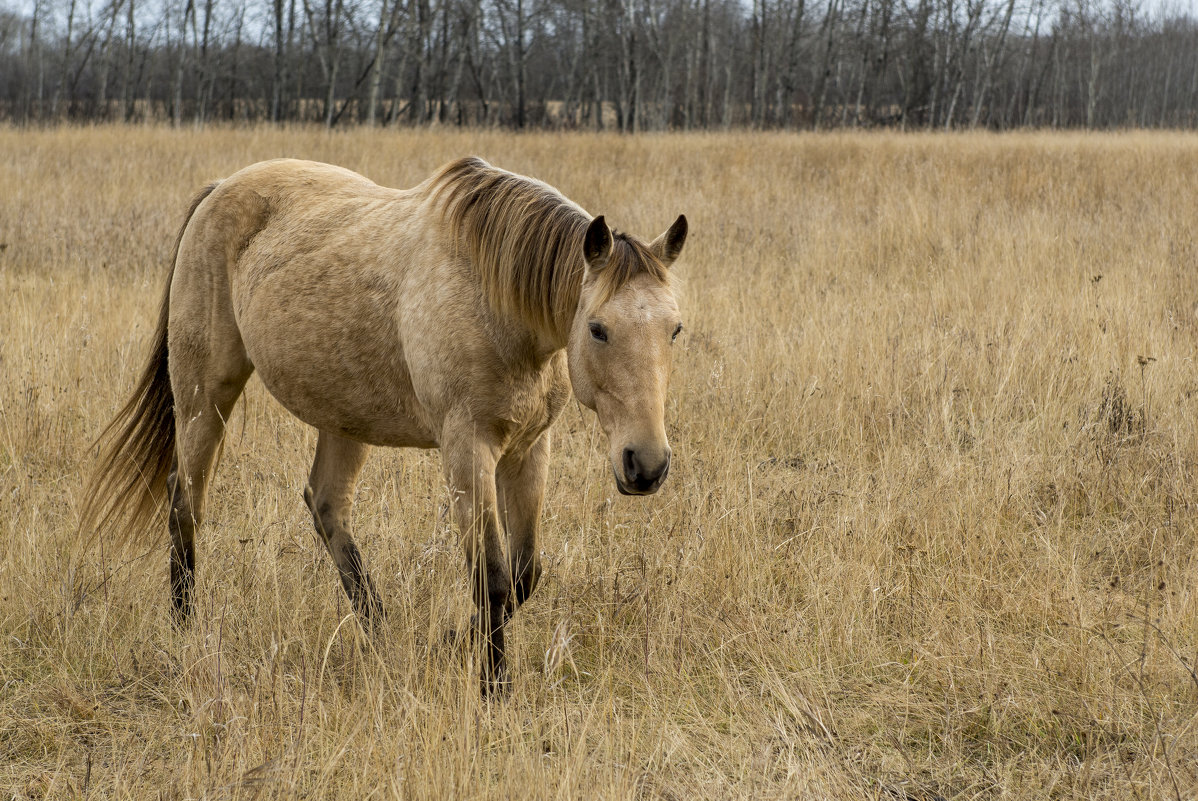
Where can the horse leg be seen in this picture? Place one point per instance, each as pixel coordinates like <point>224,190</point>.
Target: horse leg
<point>520,481</point>
<point>470,471</point>
<point>208,370</point>
<point>330,495</point>
<point>199,424</point>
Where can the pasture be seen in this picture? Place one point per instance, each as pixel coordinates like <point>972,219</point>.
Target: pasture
<point>929,531</point>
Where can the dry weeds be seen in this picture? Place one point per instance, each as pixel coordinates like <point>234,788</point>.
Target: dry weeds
<point>930,529</point>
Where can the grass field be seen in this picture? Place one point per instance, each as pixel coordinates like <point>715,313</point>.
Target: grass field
<point>930,529</point>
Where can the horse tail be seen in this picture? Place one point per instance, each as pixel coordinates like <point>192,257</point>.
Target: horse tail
<point>128,488</point>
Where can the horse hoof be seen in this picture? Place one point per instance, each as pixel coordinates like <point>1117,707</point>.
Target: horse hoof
<point>371,618</point>
<point>497,685</point>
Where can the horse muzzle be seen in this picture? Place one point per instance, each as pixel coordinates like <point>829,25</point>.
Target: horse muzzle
<point>641,478</point>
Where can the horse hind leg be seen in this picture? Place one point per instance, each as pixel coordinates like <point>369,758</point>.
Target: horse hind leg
<point>209,368</point>
<point>200,428</point>
<point>329,496</point>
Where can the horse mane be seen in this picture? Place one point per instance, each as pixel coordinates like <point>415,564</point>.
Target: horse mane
<point>524,239</point>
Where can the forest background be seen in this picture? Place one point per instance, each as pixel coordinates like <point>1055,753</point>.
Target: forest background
<point>631,65</point>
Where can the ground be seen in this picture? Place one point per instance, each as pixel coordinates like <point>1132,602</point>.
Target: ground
<point>929,530</point>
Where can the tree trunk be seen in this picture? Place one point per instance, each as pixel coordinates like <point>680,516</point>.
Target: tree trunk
<point>106,57</point>
<point>790,84</point>
<point>990,69</point>
<point>276,92</point>
<point>827,31</point>
<point>127,88</point>
<point>706,68</point>
<point>180,66</point>
<point>66,60</point>
<point>376,69</point>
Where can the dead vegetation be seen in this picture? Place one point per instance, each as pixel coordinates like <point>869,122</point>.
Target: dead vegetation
<point>930,530</point>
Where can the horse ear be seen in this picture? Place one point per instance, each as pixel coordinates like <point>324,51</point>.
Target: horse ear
<point>596,245</point>
<point>667,246</point>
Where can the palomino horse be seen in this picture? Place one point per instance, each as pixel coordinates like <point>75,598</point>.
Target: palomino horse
<point>456,315</point>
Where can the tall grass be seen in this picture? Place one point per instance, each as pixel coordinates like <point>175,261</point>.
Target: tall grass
<point>930,528</point>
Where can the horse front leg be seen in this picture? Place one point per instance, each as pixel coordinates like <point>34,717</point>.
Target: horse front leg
<point>470,471</point>
<point>520,481</point>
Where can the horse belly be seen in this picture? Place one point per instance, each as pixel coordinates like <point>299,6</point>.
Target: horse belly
<point>375,409</point>
<point>341,370</point>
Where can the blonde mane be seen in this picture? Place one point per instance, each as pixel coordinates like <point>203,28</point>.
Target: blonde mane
<point>524,239</point>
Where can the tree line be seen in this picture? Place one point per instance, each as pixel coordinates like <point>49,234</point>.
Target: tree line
<point>629,65</point>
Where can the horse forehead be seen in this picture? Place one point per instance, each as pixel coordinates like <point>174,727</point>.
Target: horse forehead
<point>643,301</point>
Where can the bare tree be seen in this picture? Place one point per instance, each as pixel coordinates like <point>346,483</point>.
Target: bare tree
<point>650,64</point>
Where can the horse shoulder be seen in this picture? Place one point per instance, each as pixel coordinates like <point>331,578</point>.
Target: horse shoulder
<point>523,405</point>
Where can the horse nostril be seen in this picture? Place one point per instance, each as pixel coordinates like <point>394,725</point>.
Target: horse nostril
<point>657,473</point>
<point>630,467</point>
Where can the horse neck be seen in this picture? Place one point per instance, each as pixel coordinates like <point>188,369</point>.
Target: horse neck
<point>549,340</point>
<point>522,341</point>
<point>563,321</point>
<point>552,334</point>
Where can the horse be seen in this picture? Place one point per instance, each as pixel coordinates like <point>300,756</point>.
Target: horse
<point>459,314</point>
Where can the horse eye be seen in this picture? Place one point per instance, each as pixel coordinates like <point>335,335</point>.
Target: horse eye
<point>598,332</point>
<point>677,331</point>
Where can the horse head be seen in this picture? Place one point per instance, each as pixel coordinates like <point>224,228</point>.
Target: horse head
<point>619,348</point>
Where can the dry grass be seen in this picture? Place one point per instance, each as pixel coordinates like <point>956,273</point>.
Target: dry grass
<point>930,530</point>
